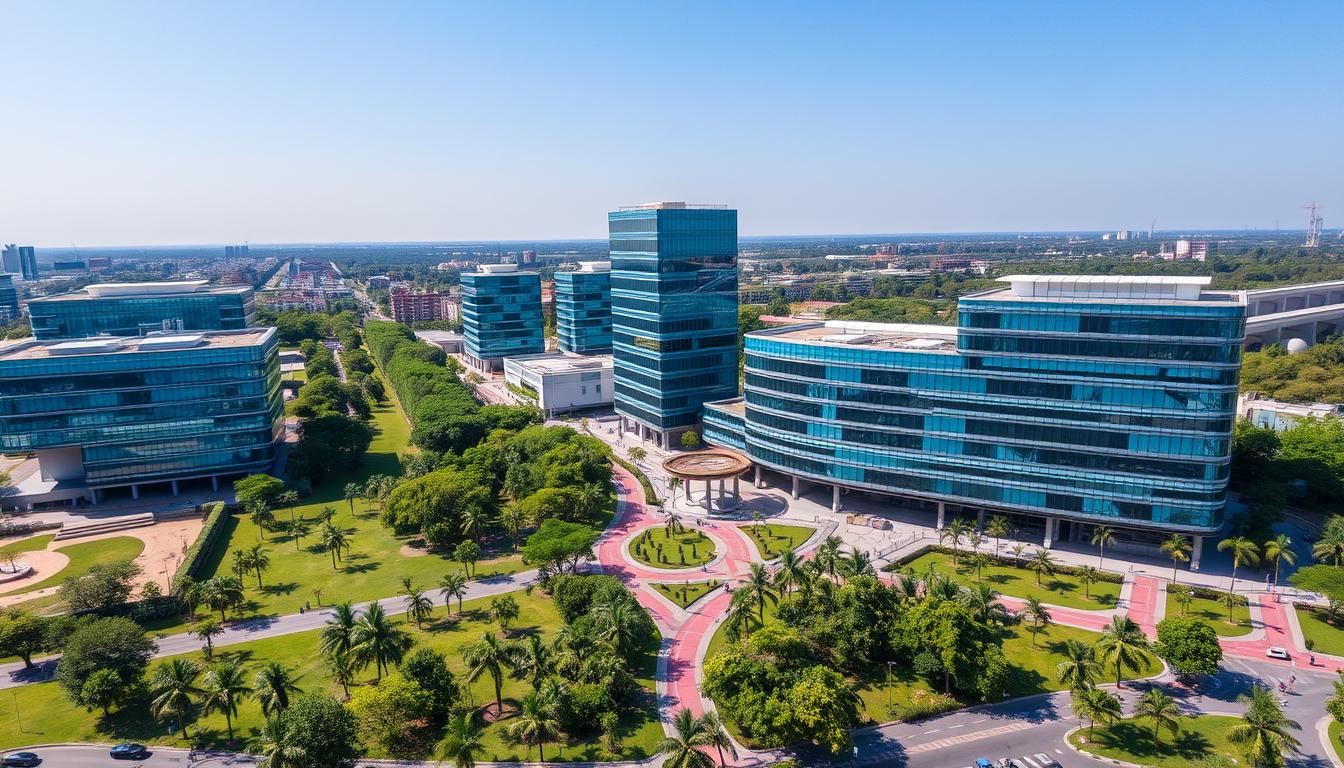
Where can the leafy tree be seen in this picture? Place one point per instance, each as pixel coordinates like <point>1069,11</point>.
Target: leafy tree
<point>222,690</point>
<point>325,730</point>
<point>22,634</point>
<point>462,741</point>
<point>1101,536</point>
<point>391,713</point>
<point>328,444</point>
<point>207,630</point>
<point>274,685</point>
<point>1189,645</point>
<point>558,546</point>
<point>174,688</point>
<point>103,689</point>
<point>1123,645</point>
<point>1096,705</point>
<point>117,644</point>
<point>428,669</point>
<point>1264,731</point>
<point>377,639</point>
<point>468,553</point>
<point>1088,576</point>
<point>102,589</point>
<point>488,656</point>
<point>534,724</point>
<point>1335,703</point>
<point>1079,668</point>
<point>1162,710</point>
<point>637,454</point>
<point>454,585</point>
<point>683,746</point>
<point>1178,548</point>
<point>690,439</point>
<point>258,489</point>
<point>504,610</point>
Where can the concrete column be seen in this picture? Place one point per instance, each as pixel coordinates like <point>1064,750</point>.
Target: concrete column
<point>174,487</point>
<point>1049,532</point>
<point>1196,550</point>
<point>980,519</point>
<point>835,498</point>
<point>214,482</point>
<point>709,504</point>
<point>93,496</point>
<point>795,487</point>
<point>74,502</point>
<point>942,509</point>
<point>737,496</point>
<point>135,491</point>
<point>758,476</point>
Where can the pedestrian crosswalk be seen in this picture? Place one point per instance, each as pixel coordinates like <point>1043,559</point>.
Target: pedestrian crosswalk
<point>1039,760</point>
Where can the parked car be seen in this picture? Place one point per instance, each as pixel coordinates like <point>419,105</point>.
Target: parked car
<point>983,762</point>
<point>129,751</point>
<point>1275,652</point>
<point>1045,760</point>
<point>24,759</point>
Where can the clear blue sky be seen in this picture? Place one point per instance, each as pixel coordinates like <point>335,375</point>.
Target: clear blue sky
<point>130,123</point>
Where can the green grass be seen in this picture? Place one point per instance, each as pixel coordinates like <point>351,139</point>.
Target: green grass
<point>685,549</point>
<point>1216,614</point>
<point>1061,589</point>
<point>30,544</point>
<point>372,569</point>
<point>1336,732</point>
<point>773,539</point>
<point>1325,638</point>
<point>85,555</point>
<point>1132,741</point>
<point>685,594</point>
<point>49,717</point>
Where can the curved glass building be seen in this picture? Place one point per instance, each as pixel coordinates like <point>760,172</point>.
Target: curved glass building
<point>1081,400</point>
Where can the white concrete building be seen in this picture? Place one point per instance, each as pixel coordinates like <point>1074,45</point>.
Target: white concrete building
<point>1280,416</point>
<point>557,382</point>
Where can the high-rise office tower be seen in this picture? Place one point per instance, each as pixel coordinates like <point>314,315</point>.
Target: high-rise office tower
<point>134,309</point>
<point>673,314</point>
<point>9,298</point>
<point>501,314</point>
<point>28,262</point>
<point>583,308</point>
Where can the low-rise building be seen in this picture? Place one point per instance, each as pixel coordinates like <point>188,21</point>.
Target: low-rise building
<point>1279,416</point>
<point>559,382</point>
<point>448,341</point>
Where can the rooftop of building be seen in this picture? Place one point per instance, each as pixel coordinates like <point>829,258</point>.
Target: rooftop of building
<point>910,337</point>
<point>552,363</point>
<point>589,267</point>
<point>139,290</point>
<point>736,406</point>
<point>1253,401</point>
<point>436,337</point>
<point>32,349</point>
<point>670,205</point>
<point>1163,289</point>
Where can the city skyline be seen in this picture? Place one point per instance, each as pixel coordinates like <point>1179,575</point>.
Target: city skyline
<point>149,126</point>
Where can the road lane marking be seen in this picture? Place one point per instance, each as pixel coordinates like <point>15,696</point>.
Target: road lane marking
<point>965,737</point>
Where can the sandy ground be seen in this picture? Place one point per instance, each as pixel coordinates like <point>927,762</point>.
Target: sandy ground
<point>165,545</point>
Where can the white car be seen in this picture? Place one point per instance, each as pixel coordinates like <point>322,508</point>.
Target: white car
<point>1275,652</point>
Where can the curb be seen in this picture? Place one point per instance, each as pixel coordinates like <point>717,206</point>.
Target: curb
<point>1323,731</point>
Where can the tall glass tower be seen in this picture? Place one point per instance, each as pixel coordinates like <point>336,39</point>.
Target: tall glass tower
<point>673,314</point>
<point>583,308</point>
<point>501,314</point>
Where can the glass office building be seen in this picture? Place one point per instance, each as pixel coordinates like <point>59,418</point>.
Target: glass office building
<point>501,315</point>
<point>1082,400</point>
<point>673,314</point>
<point>135,309</point>
<point>108,412</point>
<point>9,298</point>
<point>583,308</point>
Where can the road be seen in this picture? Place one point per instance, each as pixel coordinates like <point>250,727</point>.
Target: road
<point>95,756</point>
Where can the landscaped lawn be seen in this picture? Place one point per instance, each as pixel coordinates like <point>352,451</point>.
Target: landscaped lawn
<point>30,544</point>
<point>774,539</point>
<point>1325,638</point>
<point>684,549</point>
<point>685,594</point>
<point>1215,613</point>
<point>1061,589</point>
<point>376,562</point>
<point>85,555</point>
<point>1336,731</point>
<point>1132,741</point>
<point>49,717</point>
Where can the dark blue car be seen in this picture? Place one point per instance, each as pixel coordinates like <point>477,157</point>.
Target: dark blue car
<point>129,752</point>
<point>24,759</point>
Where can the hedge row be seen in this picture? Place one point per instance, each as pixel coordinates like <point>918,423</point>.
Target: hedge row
<point>650,497</point>
<point>1068,570</point>
<point>216,518</point>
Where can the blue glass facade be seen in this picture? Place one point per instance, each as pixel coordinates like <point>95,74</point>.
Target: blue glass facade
<point>501,315</point>
<point>122,411</point>
<point>674,312</point>
<point>583,311</point>
<point>9,298</point>
<point>1101,411</point>
<point>80,315</point>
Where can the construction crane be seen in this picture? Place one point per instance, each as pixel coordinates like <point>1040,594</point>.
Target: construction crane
<point>1314,223</point>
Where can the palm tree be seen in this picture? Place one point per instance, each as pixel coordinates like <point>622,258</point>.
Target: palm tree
<point>273,686</point>
<point>1040,617</point>
<point>208,629</point>
<point>1079,668</point>
<point>338,635</point>
<point>977,561</point>
<point>741,608</point>
<point>828,554</point>
<point>857,563</point>
<point>334,540</point>
<point>1178,549</point>
<point>534,723</point>
<point>1263,731</point>
<point>1162,710</point>
<point>258,561</point>
<point>352,492</point>
<point>174,688</point>
<point>683,746</point>
<point>790,572</point>
<point>1088,576</point>
<point>288,499</point>
<point>983,600</point>
<point>1330,546</point>
<point>672,524</point>
<point>1096,705</point>
<point>454,585</point>
<point>758,583</point>
<point>278,749</point>
<point>1101,536</point>
<point>475,519</point>
<point>673,483</point>
<point>221,593</point>
<point>1184,596</point>
<point>341,667</point>
<point>954,532</point>
<point>997,527</point>
<point>1042,563</point>
<point>418,606</point>
<point>462,741</point>
<point>1123,644</point>
<point>1279,550</point>
<point>489,656</point>
<point>262,516</point>
<point>1243,550</point>
<point>533,661</point>
<point>377,639</point>
<point>616,622</point>
<point>718,735</point>
<point>224,688</point>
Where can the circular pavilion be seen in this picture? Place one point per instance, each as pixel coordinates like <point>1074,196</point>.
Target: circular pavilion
<point>708,466</point>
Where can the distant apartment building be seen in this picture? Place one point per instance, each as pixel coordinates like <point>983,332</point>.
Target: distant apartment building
<point>1185,250</point>
<point>136,309</point>
<point>583,308</point>
<point>114,412</point>
<point>305,299</point>
<point>21,260</point>
<point>529,258</point>
<point>379,282</point>
<point>673,314</point>
<point>501,314</point>
<point>236,252</point>
<point>98,263</point>
<point>9,298</point>
<point>410,307</point>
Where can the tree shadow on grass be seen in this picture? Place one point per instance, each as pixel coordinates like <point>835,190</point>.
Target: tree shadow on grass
<point>361,567</point>
<point>283,588</point>
<point>1134,740</point>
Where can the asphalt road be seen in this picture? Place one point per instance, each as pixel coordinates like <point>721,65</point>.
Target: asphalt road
<point>97,757</point>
